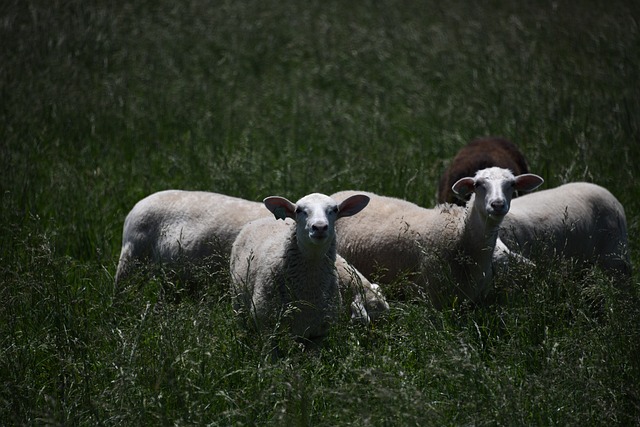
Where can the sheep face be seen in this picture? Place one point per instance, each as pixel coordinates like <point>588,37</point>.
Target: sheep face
<point>315,216</point>
<point>494,188</point>
<point>479,154</point>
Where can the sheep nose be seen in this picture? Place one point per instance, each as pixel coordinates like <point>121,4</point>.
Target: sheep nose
<point>320,226</point>
<point>499,206</point>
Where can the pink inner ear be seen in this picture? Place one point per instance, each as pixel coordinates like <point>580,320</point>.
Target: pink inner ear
<point>528,182</point>
<point>352,205</point>
<point>463,187</point>
<point>280,207</point>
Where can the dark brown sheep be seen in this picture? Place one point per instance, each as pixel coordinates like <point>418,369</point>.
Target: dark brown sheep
<point>480,154</point>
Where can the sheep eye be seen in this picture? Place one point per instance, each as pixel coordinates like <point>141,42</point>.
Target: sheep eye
<point>299,211</point>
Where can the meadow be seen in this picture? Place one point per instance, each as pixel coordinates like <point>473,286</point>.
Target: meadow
<point>103,103</point>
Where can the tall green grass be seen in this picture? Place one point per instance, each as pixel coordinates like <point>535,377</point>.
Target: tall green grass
<point>103,103</point>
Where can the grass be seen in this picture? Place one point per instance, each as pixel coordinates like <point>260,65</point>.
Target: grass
<point>103,104</point>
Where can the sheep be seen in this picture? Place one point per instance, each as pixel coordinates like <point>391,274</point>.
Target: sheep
<point>394,237</point>
<point>290,267</point>
<point>175,228</point>
<point>578,220</point>
<point>479,154</point>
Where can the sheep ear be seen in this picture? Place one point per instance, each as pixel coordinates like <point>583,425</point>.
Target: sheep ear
<point>352,205</point>
<point>463,186</point>
<point>280,207</point>
<point>528,182</point>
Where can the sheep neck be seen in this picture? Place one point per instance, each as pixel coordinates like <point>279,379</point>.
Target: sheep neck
<point>309,254</point>
<point>480,231</point>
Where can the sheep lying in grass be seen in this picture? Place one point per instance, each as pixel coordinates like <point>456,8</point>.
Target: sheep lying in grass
<point>173,226</point>
<point>187,229</point>
<point>438,245</point>
<point>577,220</point>
<point>289,269</point>
<point>479,154</point>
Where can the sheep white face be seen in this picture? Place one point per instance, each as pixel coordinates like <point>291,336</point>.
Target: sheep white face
<point>315,215</point>
<point>494,188</point>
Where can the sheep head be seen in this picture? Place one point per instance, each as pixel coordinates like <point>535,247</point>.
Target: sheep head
<point>315,215</point>
<point>494,188</point>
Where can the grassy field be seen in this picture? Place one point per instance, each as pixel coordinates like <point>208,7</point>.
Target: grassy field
<point>103,103</point>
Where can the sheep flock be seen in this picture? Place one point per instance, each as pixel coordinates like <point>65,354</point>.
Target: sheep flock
<point>298,264</point>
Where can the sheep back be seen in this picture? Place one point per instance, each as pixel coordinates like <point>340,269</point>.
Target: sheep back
<point>578,220</point>
<point>394,238</point>
<point>380,240</point>
<point>192,226</point>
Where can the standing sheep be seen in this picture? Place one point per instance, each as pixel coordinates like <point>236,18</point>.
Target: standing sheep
<point>186,229</point>
<point>289,269</point>
<point>577,220</point>
<point>434,245</point>
<point>479,154</point>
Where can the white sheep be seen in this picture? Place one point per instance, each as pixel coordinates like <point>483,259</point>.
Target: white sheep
<point>394,237</point>
<point>173,226</point>
<point>579,220</point>
<point>281,268</point>
<point>181,229</point>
